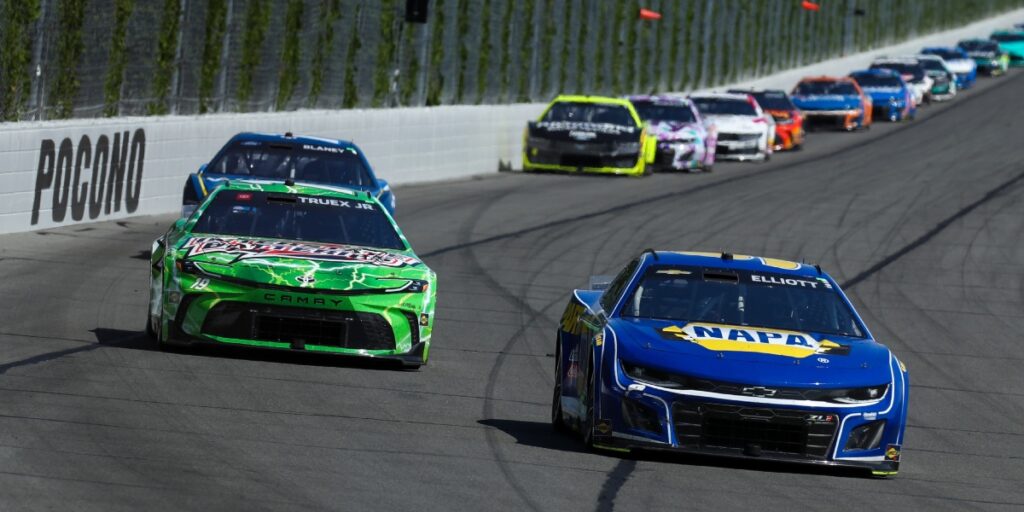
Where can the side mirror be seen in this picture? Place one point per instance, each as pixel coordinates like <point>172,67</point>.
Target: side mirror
<point>201,169</point>
<point>383,184</point>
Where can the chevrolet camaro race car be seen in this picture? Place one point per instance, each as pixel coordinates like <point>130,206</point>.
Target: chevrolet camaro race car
<point>913,74</point>
<point>891,98</point>
<point>833,101</point>
<point>271,157</point>
<point>958,61</point>
<point>292,267</point>
<point>728,355</point>
<point>789,121</point>
<point>744,131</point>
<point>944,84</point>
<point>589,134</point>
<point>990,58</point>
<point>684,142</point>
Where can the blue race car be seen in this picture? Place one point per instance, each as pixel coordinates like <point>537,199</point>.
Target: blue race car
<point>728,355</point>
<point>959,62</point>
<point>891,97</point>
<point>272,157</point>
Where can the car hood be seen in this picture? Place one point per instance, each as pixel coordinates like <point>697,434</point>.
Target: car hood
<point>675,130</point>
<point>752,355</point>
<point>211,182</point>
<point>574,131</point>
<point>827,102</point>
<point>297,264</point>
<point>961,65</point>
<point>1016,48</point>
<point>732,123</point>
<point>883,94</point>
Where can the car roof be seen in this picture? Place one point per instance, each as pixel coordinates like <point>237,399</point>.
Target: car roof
<point>720,96</point>
<point>289,138</point>
<point>876,71</point>
<point>578,98</point>
<point>660,98</point>
<point>726,261</point>
<point>279,187</point>
<point>826,78</point>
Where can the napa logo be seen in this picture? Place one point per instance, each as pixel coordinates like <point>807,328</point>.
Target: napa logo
<point>729,338</point>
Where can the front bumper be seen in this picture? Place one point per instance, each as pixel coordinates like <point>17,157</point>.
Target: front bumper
<point>788,136</point>
<point>843,119</point>
<point>679,155</point>
<point>385,326</point>
<point>582,157</point>
<point>740,146</point>
<point>632,415</point>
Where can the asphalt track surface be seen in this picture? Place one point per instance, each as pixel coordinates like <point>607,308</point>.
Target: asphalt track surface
<point>922,221</point>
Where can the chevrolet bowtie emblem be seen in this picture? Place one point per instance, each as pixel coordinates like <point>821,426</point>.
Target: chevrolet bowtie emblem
<point>759,391</point>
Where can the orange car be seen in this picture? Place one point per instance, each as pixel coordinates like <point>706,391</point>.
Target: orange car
<point>789,121</point>
<point>833,101</point>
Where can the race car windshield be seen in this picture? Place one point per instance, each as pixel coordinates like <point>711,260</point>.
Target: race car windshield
<point>1008,38</point>
<point>298,217</point>
<point>823,88</point>
<point>878,81</point>
<point>747,298</point>
<point>306,162</point>
<point>905,69</point>
<point>571,111</point>
<point>773,101</point>
<point>979,46</point>
<point>724,106</point>
<point>932,65</point>
<point>651,111</point>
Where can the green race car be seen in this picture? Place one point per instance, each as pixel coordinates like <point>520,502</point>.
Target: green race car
<point>292,267</point>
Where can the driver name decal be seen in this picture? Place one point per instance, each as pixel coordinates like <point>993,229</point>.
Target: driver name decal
<point>245,248</point>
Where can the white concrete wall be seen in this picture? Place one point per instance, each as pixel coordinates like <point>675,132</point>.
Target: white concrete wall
<point>405,145</point>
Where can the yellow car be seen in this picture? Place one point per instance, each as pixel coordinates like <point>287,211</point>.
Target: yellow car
<point>589,134</point>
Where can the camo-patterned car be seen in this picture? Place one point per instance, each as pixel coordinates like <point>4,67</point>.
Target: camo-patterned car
<point>684,141</point>
<point>293,267</point>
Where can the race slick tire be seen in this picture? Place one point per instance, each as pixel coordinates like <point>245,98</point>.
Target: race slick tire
<point>587,424</point>
<point>709,168</point>
<point>150,332</point>
<point>557,418</point>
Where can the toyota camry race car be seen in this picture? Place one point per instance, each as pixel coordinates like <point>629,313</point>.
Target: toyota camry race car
<point>959,62</point>
<point>744,130</point>
<point>292,267</point>
<point>990,58</point>
<point>728,355</point>
<point>272,157</point>
<point>789,121</point>
<point>944,84</point>
<point>589,134</point>
<point>891,98</point>
<point>833,101</point>
<point>684,142</point>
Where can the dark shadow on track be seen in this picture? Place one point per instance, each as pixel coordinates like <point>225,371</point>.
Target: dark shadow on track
<point>536,434</point>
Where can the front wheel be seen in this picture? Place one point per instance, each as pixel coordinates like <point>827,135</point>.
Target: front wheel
<point>557,418</point>
<point>587,423</point>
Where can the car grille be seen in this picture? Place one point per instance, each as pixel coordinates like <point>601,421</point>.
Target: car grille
<point>726,151</point>
<point>302,326</point>
<point>773,431</point>
<point>739,136</point>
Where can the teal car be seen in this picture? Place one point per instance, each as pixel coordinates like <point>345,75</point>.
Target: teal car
<point>988,56</point>
<point>1011,42</point>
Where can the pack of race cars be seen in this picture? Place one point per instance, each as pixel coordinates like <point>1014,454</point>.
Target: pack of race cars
<point>289,243</point>
<point>638,134</point>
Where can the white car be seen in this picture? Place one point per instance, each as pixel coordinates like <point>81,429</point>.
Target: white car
<point>945,86</point>
<point>912,72</point>
<point>958,62</point>
<point>745,131</point>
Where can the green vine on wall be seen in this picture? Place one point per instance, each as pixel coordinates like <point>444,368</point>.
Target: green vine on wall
<point>409,78</point>
<point>288,74</point>
<point>602,42</point>
<point>166,48</point>
<point>330,11</point>
<point>16,56</point>
<point>117,57</point>
<point>435,82</point>
<point>546,43</point>
<point>385,53</point>
<point>483,64</point>
<point>616,40</point>
<point>563,61</point>
<point>257,20</point>
<point>213,44</point>
<point>506,51</point>
<point>70,17</point>
<point>351,97</point>
<point>581,41</point>
<point>526,49</point>
<point>462,28</point>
